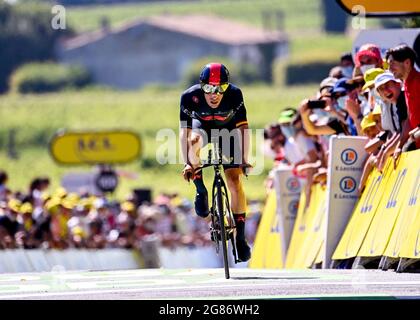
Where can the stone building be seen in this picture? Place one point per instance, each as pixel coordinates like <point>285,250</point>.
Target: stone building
<point>160,49</point>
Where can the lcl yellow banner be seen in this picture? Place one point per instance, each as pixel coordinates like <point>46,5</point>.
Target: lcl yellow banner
<point>385,7</point>
<point>73,148</point>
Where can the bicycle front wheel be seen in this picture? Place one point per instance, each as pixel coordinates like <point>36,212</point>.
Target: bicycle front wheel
<point>220,213</point>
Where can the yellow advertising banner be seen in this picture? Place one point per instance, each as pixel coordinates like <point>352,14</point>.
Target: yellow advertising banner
<point>411,245</point>
<point>108,147</point>
<point>409,209</point>
<point>298,231</point>
<point>362,216</point>
<point>266,252</point>
<point>386,215</point>
<point>379,8</point>
<point>314,233</point>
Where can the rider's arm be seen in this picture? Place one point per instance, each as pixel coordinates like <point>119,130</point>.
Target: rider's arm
<point>242,124</point>
<point>183,140</point>
<point>185,122</point>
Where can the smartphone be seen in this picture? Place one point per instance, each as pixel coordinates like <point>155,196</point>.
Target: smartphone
<point>317,104</point>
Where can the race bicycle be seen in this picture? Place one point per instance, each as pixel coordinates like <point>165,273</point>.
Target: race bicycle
<point>222,221</point>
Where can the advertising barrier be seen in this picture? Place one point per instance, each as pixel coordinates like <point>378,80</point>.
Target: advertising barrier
<point>288,188</point>
<point>386,219</point>
<point>407,225</point>
<point>310,231</point>
<point>267,249</point>
<point>297,234</point>
<point>362,216</point>
<point>387,212</point>
<point>345,166</point>
<point>338,224</point>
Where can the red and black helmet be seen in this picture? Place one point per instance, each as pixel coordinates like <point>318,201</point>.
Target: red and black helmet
<point>214,74</point>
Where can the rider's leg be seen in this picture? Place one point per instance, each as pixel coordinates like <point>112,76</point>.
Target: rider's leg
<point>201,198</point>
<point>238,206</point>
<point>237,194</point>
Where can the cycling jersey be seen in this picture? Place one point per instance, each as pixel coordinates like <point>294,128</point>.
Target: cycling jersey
<point>230,113</point>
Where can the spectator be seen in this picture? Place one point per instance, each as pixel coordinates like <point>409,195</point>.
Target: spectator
<point>371,130</point>
<point>78,238</point>
<point>334,108</point>
<point>9,224</point>
<point>27,227</point>
<point>66,220</point>
<point>4,192</point>
<point>393,114</point>
<point>36,189</point>
<point>368,88</point>
<point>274,141</point>
<point>369,127</point>
<point>346,65</point>
<point>401,61</point>
<point>336,72</point>
<point>345,93</point>
<point>368,57</point>
<point>299,150</point>
<point>377,116</point>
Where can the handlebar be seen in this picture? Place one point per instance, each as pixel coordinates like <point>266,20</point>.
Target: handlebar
<point>243,166</point>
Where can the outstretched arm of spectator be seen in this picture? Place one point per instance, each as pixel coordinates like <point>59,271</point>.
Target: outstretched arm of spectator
<point>403,139</point>
<point>388,149</point>
<point>370,163</point>
<point>340,115</point>
<point>354,110</point>
<point>309,126</point>
<point>309,165</point>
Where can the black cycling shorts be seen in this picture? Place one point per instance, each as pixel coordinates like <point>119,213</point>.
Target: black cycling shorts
<point>229,138</point>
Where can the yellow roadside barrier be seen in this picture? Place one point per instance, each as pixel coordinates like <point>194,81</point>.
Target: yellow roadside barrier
<point>267,246</point>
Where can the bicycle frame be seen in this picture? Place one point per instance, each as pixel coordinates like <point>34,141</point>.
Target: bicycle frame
<point>220,209</point>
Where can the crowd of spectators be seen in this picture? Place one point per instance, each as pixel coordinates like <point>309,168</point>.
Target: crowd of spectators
<point>370,95</point>
<point>61,219</point>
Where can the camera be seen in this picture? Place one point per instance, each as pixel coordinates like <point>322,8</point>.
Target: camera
<point>317,104</point>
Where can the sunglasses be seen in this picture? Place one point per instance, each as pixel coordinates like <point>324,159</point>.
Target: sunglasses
<point>209,88</point>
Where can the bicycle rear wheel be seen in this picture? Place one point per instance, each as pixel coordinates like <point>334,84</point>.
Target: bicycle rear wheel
<point>220,213</point>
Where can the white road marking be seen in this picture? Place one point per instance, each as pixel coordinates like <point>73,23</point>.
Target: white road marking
<point>18,278</point>
<point>103,276</point>
<point>98,285</point>
<point>193,287</point>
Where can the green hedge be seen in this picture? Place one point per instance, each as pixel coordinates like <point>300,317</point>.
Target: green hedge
<point>240,73</point>
<point>26,35</point>
<point>48,77</point>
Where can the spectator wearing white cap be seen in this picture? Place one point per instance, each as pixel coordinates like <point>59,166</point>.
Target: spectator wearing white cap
<point>393,114</point>
<point>394,108</point>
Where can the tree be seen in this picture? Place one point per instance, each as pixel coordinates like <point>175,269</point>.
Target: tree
<point>25,35</point>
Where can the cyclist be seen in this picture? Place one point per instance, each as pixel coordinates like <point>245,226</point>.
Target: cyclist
<point>217,105</point>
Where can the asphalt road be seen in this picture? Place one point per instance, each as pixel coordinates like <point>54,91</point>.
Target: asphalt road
<point>181,284</point>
